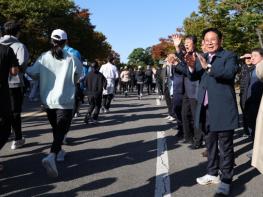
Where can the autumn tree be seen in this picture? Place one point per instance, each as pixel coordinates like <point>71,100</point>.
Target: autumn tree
<point>39,18</point>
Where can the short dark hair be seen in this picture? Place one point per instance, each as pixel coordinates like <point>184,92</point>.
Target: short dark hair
<point>111,59</point>
<point>11,28</point>
<point>215,30</point>
<point>259,50</point>
<point>94,64</point>
<point>192,37</point>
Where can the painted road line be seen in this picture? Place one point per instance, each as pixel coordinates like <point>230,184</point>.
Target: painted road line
<point>162,184</point>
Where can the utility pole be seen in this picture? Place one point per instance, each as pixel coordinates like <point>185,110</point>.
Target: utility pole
<point>259,33</point>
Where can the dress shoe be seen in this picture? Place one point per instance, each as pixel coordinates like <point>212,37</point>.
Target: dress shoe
<point>195,146</point>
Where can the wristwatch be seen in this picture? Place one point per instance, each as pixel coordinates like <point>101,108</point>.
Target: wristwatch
<point>209,66</point>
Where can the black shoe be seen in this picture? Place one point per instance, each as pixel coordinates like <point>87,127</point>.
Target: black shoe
<point>188,141</point>
<point>86,120</point>
<point>195,146</point>
<point>179,134</point>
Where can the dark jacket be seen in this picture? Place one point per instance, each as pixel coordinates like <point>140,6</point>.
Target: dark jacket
<point>148,76</point>
<point>190,87</point>
<point>244,83</point>
<point>95,82</point>
<point>178,82</point>
<point>219,83</point>
<point>7,60</point>
<point>140,76</point>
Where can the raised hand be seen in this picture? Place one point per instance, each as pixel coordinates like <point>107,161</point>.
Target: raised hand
<point>177,39</point>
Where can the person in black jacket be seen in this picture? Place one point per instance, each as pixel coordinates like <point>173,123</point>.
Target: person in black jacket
<point>246,68</point>
<point>140,76</point>
<point>95,82</point>
<point>148,79</point>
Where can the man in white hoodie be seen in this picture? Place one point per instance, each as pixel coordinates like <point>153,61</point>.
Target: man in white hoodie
<point>16,83</point>
<point>111,74</point>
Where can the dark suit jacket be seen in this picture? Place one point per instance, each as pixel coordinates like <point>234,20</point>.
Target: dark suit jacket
<point>219,83</point>
<point>178,82</point>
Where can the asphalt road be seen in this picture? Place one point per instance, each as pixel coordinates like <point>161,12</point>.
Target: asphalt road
<point>117,157</point>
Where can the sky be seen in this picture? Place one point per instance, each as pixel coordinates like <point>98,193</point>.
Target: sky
<point>130,24</point>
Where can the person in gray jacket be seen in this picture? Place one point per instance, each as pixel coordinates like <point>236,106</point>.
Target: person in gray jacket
<point>16,83</point>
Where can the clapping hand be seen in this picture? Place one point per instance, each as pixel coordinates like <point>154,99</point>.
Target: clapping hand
<point>202,61</point>
<point>190,59</point>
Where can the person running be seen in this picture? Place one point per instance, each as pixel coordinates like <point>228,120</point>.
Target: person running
<point>8,67</point>
<point>125,79</point>
<point>94,83</point>
<point>110,72</point>
<point>140,76</point>
<point>11,30</point>
<point>57,93</point>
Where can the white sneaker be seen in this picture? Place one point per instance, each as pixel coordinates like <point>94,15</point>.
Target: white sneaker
<point>106,111</point>
<point>171,118</point>
<point>158,102</point>
<point>18,143</point>
<point>50,164</point>
<point>167,117</point>
<point>61,155</point>
<point>223,188</point>
<point>208,179</point>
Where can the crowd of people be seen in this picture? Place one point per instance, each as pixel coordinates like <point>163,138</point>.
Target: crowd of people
<point>198,88</point>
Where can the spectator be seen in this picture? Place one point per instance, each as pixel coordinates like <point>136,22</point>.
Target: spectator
<point>216,112</point>
<point>257,156</point>
<point>253,90</point>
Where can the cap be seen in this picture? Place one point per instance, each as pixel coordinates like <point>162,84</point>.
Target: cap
<point>59,34</point>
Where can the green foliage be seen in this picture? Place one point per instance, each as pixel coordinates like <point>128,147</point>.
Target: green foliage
<point>237,19</point>
<point>39,18</point>
<point>140,56</point>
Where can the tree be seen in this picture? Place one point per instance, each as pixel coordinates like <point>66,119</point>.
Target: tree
<point>39,18</point>
<point>140,56</point>
<point>238,21</point>
<point>161,50</point>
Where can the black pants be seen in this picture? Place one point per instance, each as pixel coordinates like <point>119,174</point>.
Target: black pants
<point>148,86</point>
<point>16,98</point>
<point>220,149</point>
<point>140,88</point>
<point>188,113</point>
<point>125,86</point>
<point>5,129</point>
<point>94,107</point>
<point>79,98</point>
<point>60,120</point>
<point>223,158</point>
<point>106,100</point>
<point>168,101</point>
<point>177,109</point>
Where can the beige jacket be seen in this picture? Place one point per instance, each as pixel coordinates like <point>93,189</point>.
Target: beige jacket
<point>257,158</point>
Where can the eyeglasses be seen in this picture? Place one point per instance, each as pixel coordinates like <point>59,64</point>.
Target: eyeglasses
<point>210,41</point>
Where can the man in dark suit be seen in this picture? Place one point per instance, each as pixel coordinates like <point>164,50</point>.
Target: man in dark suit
<point>191,135</point>
<point>216,112</point>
